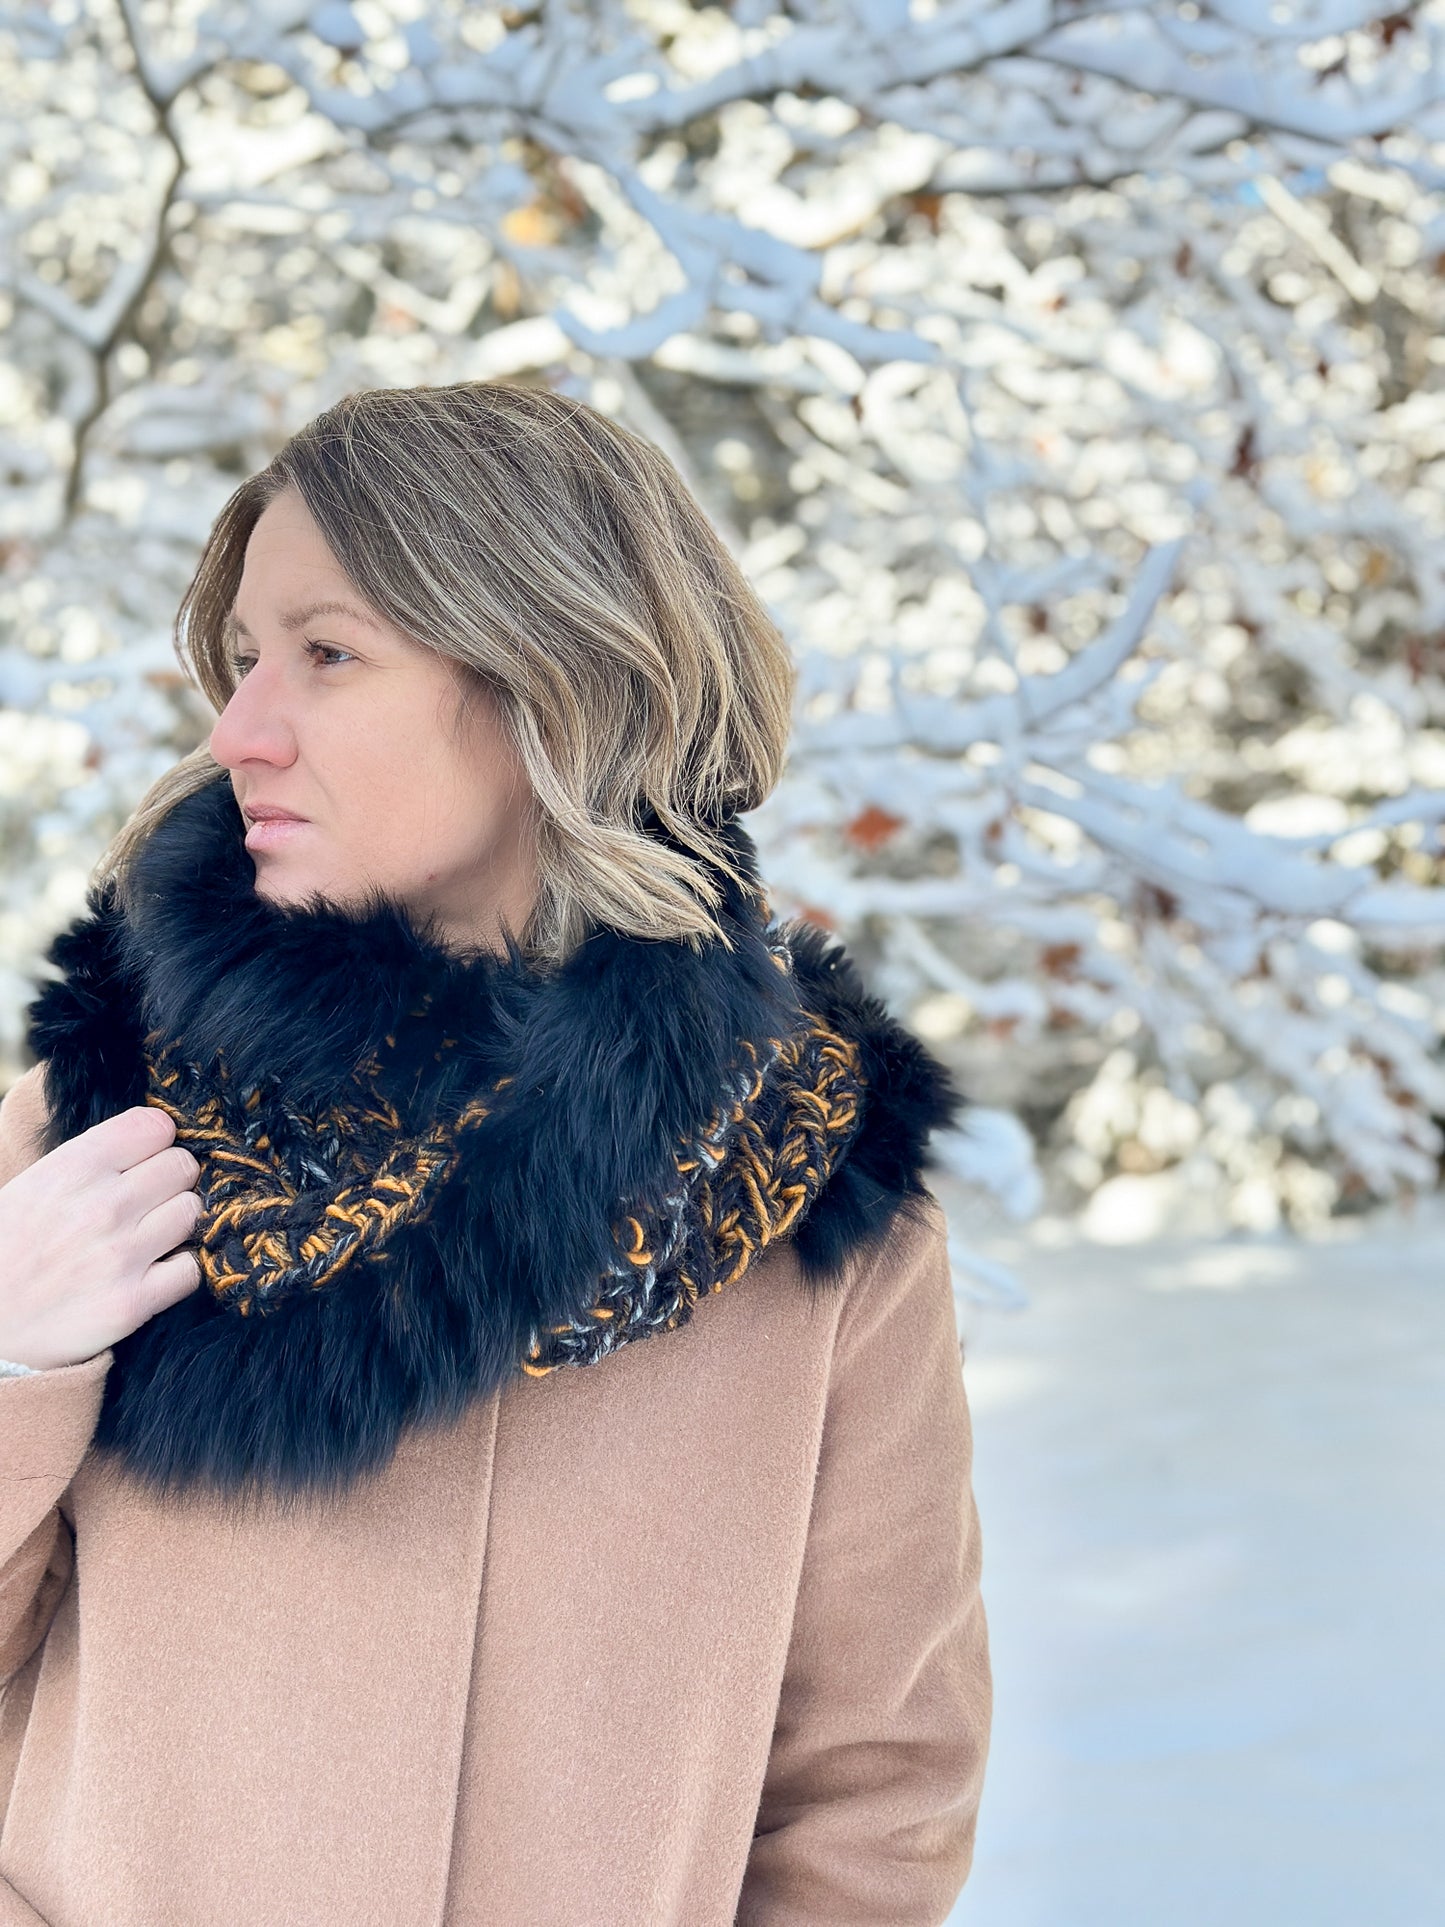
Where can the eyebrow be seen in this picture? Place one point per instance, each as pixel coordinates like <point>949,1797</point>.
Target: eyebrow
<point>298,618</point>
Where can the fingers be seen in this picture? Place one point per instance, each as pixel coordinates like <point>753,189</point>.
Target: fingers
<point>165,1174</point>
<point>169,1224</point>
<point>168,1281</point>
<point>120,1142</point>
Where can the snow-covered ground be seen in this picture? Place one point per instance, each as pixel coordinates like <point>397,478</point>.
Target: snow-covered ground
<point>1211,1476</point>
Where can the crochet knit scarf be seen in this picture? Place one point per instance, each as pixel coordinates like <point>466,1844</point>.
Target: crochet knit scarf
<point>423,1172</point>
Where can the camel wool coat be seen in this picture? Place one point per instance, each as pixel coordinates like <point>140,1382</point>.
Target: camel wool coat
<point>692,1636</point>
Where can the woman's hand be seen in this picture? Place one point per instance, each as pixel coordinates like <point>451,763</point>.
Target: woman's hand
<point>84,1233</point>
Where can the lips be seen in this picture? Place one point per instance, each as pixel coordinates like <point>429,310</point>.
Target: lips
<point>268,813</point>
<point>272,829</point>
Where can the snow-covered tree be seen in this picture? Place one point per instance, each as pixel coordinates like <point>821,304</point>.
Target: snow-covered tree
<point>1068,376</point>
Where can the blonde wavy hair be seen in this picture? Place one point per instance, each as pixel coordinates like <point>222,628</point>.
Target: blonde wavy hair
<point>560,561</point>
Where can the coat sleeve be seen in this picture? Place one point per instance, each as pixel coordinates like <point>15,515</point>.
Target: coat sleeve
<point>870,1799</point>
<point>47,1420</point>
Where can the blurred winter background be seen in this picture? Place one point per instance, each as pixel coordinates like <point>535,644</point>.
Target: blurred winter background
<point>1070,378</point>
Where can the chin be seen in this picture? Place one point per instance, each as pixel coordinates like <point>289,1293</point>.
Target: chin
<point>292,885</point>
<point>279,888</point>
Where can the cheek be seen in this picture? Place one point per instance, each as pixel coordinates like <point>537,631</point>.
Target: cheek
<point>382,756</point>
<point>416,793</point>
<point>376,781</point>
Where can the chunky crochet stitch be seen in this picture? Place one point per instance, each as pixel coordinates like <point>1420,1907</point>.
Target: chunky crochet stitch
<point>425,1172</point>
<point>288,1213</point>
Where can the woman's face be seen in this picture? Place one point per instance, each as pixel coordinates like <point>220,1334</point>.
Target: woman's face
<point>347,721</point>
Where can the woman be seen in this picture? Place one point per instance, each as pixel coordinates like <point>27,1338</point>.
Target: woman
<point>426,1033</point>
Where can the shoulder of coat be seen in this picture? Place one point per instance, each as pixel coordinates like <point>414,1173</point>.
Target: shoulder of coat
<point>24,1114</point>
<point>887,1265</point>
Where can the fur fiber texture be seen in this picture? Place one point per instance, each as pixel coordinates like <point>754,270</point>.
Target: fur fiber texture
<point>613,1057</point>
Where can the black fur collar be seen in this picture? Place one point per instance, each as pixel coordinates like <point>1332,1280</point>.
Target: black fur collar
<point>612,1056</point>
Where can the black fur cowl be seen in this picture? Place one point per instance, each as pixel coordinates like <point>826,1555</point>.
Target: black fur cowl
<point>423,1172</point>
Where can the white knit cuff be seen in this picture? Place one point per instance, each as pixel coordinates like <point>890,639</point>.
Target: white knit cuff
<point>7,1370</point>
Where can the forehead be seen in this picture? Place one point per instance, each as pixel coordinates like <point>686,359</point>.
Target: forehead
<point>293,619</point>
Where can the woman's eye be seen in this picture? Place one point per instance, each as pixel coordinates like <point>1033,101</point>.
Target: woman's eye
<point>326,649</point>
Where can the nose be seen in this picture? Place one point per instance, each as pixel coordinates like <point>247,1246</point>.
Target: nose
<point>255,726</point>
